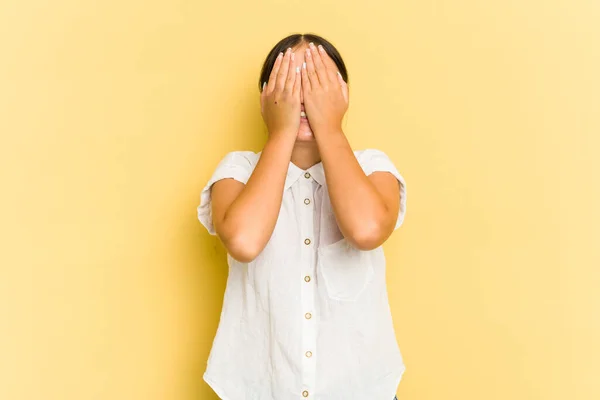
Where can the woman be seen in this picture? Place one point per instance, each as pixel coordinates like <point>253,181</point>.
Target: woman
<point>305,312</point>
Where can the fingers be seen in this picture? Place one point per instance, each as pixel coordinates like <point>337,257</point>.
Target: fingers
<point>283,70</point>
<point>291,76</point>
<point>297,82</point>
<point>306,86</point>
<point>311,72</point>
<point>274,71</point>
<point>320,67</point>
<point>329,64</point>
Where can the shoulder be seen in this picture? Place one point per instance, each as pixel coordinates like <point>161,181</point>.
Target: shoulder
<point>236,164</point>
<point>363,154</point>
<point>368,158</point>
<point>241,158</point>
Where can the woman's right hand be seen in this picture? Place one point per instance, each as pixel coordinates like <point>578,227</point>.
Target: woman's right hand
<point>280,97</point>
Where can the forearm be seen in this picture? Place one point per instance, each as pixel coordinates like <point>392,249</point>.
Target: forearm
<point>254,212</point>
<point>358,206</point>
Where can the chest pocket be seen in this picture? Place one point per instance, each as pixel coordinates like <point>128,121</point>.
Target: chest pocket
<point>345,270</point>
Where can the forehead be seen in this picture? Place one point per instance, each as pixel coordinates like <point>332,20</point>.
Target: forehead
<point>300,47</point>
<point>299,50</point>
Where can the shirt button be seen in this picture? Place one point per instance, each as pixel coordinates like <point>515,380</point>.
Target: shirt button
<point>307,278</point>
<point>308,354</point>
<point>307,241</point>
<point>308,315</point>
<point>307,175</point>
<point>305,393</point>
<point>307,201</point>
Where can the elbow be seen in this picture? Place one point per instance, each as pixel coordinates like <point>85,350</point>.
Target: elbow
<point>243,248</point>
<point>368,237</point>
<point>240,244</point>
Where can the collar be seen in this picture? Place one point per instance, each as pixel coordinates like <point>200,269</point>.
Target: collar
<point>294,173</point>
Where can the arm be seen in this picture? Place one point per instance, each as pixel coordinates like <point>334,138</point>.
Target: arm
<point>244,216</point>
<point>366,208</point>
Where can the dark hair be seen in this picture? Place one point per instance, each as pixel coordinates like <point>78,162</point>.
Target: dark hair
<point>294,40</point>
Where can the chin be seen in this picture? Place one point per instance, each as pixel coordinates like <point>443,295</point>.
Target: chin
<point>305,136</point>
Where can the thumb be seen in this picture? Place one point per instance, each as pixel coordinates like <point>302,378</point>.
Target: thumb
<point>344,86</point>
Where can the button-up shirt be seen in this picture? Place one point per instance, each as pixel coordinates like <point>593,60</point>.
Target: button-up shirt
<point>309,317</point>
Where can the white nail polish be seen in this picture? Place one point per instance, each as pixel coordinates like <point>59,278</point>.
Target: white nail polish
<point>297,69</point>
<point>304,65</point>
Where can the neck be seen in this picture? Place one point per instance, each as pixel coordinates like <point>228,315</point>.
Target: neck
<point>305,154</point>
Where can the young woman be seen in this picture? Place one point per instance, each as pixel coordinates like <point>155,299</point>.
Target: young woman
<point>305,313</point>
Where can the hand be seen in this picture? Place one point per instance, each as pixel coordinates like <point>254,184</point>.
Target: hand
<point>280,97</point>
<point>325,92</point>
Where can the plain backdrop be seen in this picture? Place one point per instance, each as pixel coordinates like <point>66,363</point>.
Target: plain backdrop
<point>113,115</point>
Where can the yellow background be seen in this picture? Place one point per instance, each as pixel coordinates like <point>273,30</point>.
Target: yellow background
<point>114,114</point>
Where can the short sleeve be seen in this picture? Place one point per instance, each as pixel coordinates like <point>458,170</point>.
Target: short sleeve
<point>372,160</point>
<point>237,165</point>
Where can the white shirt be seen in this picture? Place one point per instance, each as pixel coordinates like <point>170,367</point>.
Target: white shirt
<point>309,318</point>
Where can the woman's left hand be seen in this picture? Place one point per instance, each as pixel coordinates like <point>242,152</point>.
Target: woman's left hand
<point>325,92</point>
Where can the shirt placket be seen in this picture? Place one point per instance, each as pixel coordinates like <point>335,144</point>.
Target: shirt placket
<point>309,326</point>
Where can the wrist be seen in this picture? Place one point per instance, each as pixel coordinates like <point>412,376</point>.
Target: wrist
<point>282,132</point>
<point>328,130</point>
<point>281,139</point>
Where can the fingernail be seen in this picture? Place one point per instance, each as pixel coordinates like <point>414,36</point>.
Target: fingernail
<point>322,49</point>
<point>264,84</point>
<point>304,65</point>
<point>311,44</point>
<point>340,75</point>
<point>280,55</point>
<point>308,52</point>
<point>293,54</point>
<point>297,69</point>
